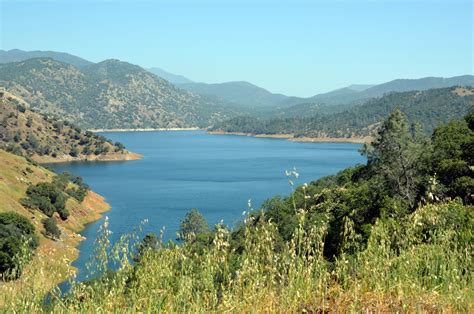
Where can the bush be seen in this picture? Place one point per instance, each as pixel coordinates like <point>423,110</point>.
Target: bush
<point>17,240</point>
<point>51,228</point>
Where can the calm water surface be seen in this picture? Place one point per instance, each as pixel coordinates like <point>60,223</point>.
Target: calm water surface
<point>216,174</point>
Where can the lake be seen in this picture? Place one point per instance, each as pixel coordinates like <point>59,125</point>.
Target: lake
<point>216,174</point>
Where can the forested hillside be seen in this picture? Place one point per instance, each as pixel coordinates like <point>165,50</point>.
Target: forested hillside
<point>109,94</point>
<point>48,138</point>
<point>430,108</point>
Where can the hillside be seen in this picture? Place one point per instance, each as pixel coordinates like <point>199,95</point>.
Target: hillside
<point>353,94</point>
<point>16,55</point>
<point>430,108</point>
<point>240,93</point>
<point>107,95</point>
<point>50,263</point>
<point>47,139</point>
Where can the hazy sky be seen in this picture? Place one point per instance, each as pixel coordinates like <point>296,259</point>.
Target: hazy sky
<point>293,47</point>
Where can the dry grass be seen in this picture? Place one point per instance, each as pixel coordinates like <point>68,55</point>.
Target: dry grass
<point>51,263</point>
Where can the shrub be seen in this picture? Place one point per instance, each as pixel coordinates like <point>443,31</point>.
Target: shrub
<point>51,228</point>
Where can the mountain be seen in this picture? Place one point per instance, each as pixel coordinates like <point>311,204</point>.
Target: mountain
<point>239,93</point>
<point>16,55</point>
<point>430,108</point>
<point>404,85</point>
<point>360,87</point>
<point>254,97</point>
<point>107,95</point>
<point>170,77</point>
<point>359,93</point>
<point>48,139</point>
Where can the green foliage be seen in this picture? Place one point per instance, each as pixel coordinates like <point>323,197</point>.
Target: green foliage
<point>51,228</point>
<point>452,158</point>
<point>47,197</point>
<point>397,157</point>
<point>149,242</point>
<point>51,197</point>
<point>193,224</point>
<point>17,241</point>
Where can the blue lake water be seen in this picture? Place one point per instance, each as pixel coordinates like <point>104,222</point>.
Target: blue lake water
<point>216,174</point>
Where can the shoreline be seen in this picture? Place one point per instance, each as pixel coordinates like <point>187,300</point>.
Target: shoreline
<point>101,158</point>
<point>144,130</point>
<point>290,137</point>
<point>52,262</point>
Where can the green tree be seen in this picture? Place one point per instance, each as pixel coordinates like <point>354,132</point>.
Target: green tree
<point>397,157</point>
<point>452,160</point>
<point>193,225</point>
<point>17,238</point>
<point>51,228</point>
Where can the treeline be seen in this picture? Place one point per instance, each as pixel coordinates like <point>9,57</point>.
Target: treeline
<point>429,108</point>
<point>392,235</point>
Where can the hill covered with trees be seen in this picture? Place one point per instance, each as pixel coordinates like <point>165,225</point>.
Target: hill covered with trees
<point>48,138</point>
<point>430,108</point>
<point>392,235</point>
<point>108,95</point>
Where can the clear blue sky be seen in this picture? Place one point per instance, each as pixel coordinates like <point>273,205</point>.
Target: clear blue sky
<point>293,47</point>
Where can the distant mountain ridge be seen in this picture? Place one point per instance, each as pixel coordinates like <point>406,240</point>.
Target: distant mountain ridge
<point>170,77</point>
<point>108,94</point>
<point>240,93</point>
<point>16,55</point>
<point>348,95</point>
<point>250,96</point>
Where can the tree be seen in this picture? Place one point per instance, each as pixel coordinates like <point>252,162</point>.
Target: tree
<point>51,228</point>
<point>149,242</point>
<point>17,240</point>
<point>193,224</point>
<point>452,161</point>
<point>396,157</point>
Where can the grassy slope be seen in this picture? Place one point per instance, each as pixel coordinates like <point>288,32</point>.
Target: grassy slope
<point>51,263</point>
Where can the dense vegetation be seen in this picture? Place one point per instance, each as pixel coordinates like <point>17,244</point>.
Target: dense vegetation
<point>109,94</point>
<point>51,197</point>
<point>392,235</point>
<point>38,136</point>
<point>17,241</point>
<point>430,108</point>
